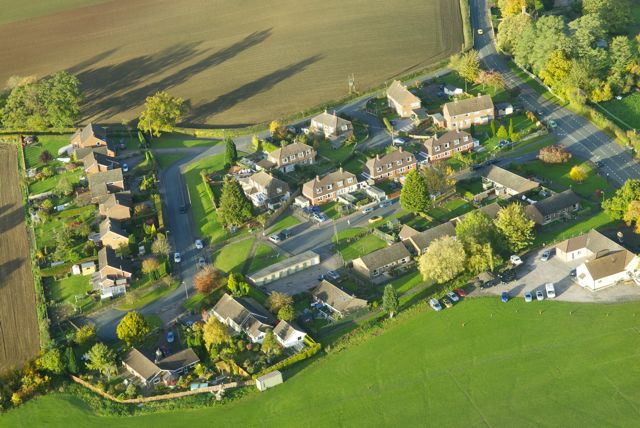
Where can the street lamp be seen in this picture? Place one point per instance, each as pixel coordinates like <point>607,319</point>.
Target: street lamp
<point>186,291</point>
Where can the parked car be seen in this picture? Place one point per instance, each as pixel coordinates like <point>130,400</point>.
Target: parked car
<point>460,292</point>
<point>367,210</point>
<point>553,124</point>
<point>125,167</point>
<point>453,296</point>
<point>447,302</point>
<point>177,258</point>
<point>320,218</point>
<point>199,244</point>
<point>284,234</point>
<point>539,295</point>
<point>546,254</point>
<point>386,203</point>
<point>528,297</point>
<point>399,141</point>
<point>504,297</point>
<point>170,336</point>
<point>201,262</point>
<point>275,238</point>
<point>375,218</point>
<point>332,274</point>
<point>551,290</point>
<point>515,260</point>
<point>435,305</point>
<point>572,273</point>
<point>507,276</point>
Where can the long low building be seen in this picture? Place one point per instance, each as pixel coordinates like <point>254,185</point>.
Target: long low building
<point>285,268</point>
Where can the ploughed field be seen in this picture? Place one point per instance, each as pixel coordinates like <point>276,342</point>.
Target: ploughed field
<point>18,323</point>
<point>236,62</point>
<point>480,363</point>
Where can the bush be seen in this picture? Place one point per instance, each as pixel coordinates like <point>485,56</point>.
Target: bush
<point>555,153</point>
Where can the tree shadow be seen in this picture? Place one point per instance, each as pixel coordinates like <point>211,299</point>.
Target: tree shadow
<point>202,112</point>
<point>5,207</point>
<point>11,219</point>
<point>8,267</point>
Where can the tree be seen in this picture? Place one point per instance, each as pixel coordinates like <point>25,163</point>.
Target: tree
<point>502,133</point>
<point>467,65</point>
<point>555,153</point>
<point>230,152</point>
<point>514,227</point>
<point>511,7</point>
<point>256,143</point>
<point>439,177</point>
<point>214,333</point>
<point>511,28</point>
<point>60,95</point>
<point>388,125</point>
<point>475,228</point>
<point>45,156</point>
<point>133,328</point>
<point>444,260</point>
<point>277,300</point>
<point>616,14</point>
<point>237,286</point>
<point>491,78</point>
<point>556,71</point>
<point>286,313</point>
<point>101,359</point>
<point>276,129</point>
<point>51,361</point>
<point>235,208</point>
<point>390,300</point>
<point>64,187</point>
<point>71,362</point>
<point>207,280</point>
<point>414,195</point>
<point>161,113</point>
<point>618,205</point>
<point>150,266</point>
<point>270,344</point>
<point>160,246</point>
<point>632,215</point>
<point>85,334</point>
<point>578,173</point>
<point>481,257</point>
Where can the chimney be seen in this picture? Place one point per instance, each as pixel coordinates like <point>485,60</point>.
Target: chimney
<point>340,170</point>
<point>378,157</point>
<point>317,178</point>
<point>400,149</point>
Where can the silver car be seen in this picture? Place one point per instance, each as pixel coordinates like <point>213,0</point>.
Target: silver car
<point>453,296</point>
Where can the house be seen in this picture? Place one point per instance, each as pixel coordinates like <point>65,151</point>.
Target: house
<point>419,242</point>
<point>269,380</point>
<point>375,264</point>
<point>393,164</point>
<point>406,232</point>
<point>504,182</point>
<point>286,158</point>
<point>243,315</point>
<point>328,188</point>
<point>289,336</point>
<point>443,147</point>
<point>285,268</point>
<point>160,369</point>
<point>330,125</point>
<point>80,153</point>
<point>95,162</point>
<point>116,206</point>
<point>461,114</point>
<point>264,189</point>
<point>103,183</point>
<point>490,210</point>
<point>584,246</point>
<point>112,235</point>
<point>605,269</point>
<point>403,101</point>
<point>452,90</point>
<point>504,109</point>
<point>90,136</point>
<point>337,302</point>
<point>557,206</point>
<point>112,277</point>
<point>438,120</point>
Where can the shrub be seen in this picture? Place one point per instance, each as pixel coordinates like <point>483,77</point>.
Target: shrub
<point>555,153</point>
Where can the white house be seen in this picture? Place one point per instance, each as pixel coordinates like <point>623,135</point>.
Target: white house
<point>288,336</point>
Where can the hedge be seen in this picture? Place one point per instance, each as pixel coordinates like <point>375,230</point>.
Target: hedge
<point>300,356</point>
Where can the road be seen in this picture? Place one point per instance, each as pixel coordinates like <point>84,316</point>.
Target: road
<point>575,132</point>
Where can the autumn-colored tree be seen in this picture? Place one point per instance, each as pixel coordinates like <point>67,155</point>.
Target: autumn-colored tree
<point>578,173</point>
<point>207,280</point>
<point>555,153</point>
<point>214,333</point>
<point>444,260</point>
<point>511,7</point>
<point>491,78</point>
<point>277,300</point>
<point>286,313</point>
<point>161,113</point>
<point>276,129</point>
<point>150,265</point>
<point>133,328</point>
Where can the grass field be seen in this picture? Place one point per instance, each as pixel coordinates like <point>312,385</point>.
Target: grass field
<point>482,363</point>
<point>265,256</point>
<point>284,223</point>
<point>235,62</point>
<point>164,160</point>
<point>363,246</point>
<point>625,112</point>
<point>18,323</point>
<point>231,257</point>
<point>45,142</point>
<point>50,183</point>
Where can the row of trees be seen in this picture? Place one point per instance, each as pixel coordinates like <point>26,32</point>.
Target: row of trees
<point>479,245</point>
<point>421,185</point>
<point>586,59</point>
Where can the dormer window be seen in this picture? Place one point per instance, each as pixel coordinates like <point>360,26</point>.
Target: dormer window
<point>389,166</point>
<point>446,145</point>
<point>399,162</point>
<point>329,186</point>
<point>340,183</point>
<point>318,190</point>
<point>285,159</point>
<point>301,155</point>
<point>349,180</point>
<point>457,141</point>
<point>379,169</point>
<point>409,159</point>
<point>466,138</point>
<point>436,148</point>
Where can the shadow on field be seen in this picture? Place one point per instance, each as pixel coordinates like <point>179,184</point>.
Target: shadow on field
<point>11,219</point>
<point>113,89</point>
<point>5,207</point>
<point>7,268</point>
<point>200,113</point>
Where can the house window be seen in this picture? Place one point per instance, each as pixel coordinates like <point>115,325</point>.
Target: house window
<point>436,149</point>
<point>446,145</point>
<point>329,186</point>
<point>409,159</point>
<point>309,152</point>
<point>318,190</point>
<point>466,138</point>
<point>379,169</point>
<point>349,180</point>
<point>301,155</point>
<point>285,159</point>
<point>399,162</point>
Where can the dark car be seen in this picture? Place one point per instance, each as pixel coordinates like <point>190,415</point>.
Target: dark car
<point>476,166</point>
<point>599,164</point>
<point>507,276</point>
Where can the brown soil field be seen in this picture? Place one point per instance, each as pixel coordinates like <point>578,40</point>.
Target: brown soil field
<point>237,62</point>
<point>19,340</point>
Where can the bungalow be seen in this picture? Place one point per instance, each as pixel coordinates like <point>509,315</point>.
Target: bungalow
<point>112,235</point>
<point>289,336</point>
<point>328,188</point>
<point>160,369</point>
<point>375,264</point>
<point>243,315</point>
<point>584,246</point>
<point>330,125</point>
<point>338,302</point>
<point>116,206</point>
<point>286,158</point>
<point>394,164</point>
<point>504,182</point>
<point>419,242</point>
<point>444,146</point>
<point>461,114</point>
<point>112,277</point>
<point>403,101</point>
<point>98,162</point>
<point>103,183</point>
<point>490,210</point>
<point>264,189</point>
<point>560,205</point>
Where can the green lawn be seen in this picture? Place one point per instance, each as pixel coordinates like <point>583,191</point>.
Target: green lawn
<point>559,231</point>
<point>625,112</point>
<point>231,257</point>
<point>171,141</point>
<point>482,363</point>
<point>365,245</point>
<point>452,208</point>
<point>330,210</point>
<point>348,233</point>
<point>336,156</point>
<point>164,159</point>
<point>50,183</point>
<point>66,289</point>
<point>148,297</point>
<point>45,142</point>
<point>285,222</point>
<point>407,282</point>
<point>265,256</point>
<point>45,232</point>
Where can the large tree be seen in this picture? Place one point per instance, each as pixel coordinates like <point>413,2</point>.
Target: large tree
<point>161,113</point>
<point>286,313</point>
<point>618,205</point>
<point>616,14</point>
<point>61,98</point>
<point>207,280</point>
<point>467,65</point>
<point>161,246</point>
<point>52,361</point>
<point>235,207</point>
<point>277,300</point>
<point>390,300</point>
<point>475,228</point>
<point>514,227</point>
<point>214,333</point>
<point>230,152</point>
<point>555,153</point>
<point>101,359</point>
<point>414,195</point>
<point>133,328</point>
<point>438,177</point>
<point>270,344</point>
<point>444,260</point>
<point>482,257</point>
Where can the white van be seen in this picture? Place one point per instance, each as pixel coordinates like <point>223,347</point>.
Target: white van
<point>367,210</point>
<point>551,291</point>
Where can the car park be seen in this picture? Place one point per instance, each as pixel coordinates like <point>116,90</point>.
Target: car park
<point>447,302</point>
<point>453,296</point>
<point>528,297</point>
<point>199,244</point>
<point>460,292</point>
<point>375,218</point>
<point>435,305</point>
<point>177,257</point>
<point>551,290</point>
<point>539,295</point>
<point>333,275</point>
<point>275,238</point>
<point>546,254</point>
<point>367,210</point>
<point>504,297</point>
<point>515,260</point>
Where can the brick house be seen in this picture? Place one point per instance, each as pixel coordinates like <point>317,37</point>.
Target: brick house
<point>287,157</point>
<point>328,188</point>
<point>264,189</point>
<point>443,147</point>
<point>112,277</point>
<point>461,114</point>
<point>402,100</point>
<point>103,183</point>
<point>393,164</point>
<point>330,125</point>
<point>116,206</point>
<point>111,234</point>
<point>98,162</point>
<point>90,136</point>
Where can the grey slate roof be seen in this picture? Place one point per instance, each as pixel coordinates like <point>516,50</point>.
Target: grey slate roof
<point>107,257</point>
<point>96,157</point>
<point>285,331</point>
<point>385,256</point>
<point>120,198</point>
<point>98,181</point>
<point>405,158</point>
<point>331,295</point>
<point>422,240</point>
<point>469,105</point>
<point>555,203</point>
<point>509,179</point>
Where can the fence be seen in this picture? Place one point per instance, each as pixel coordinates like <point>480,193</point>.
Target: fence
<point>208,389</point>
<point>277,213</point>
